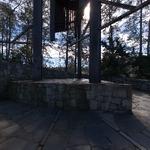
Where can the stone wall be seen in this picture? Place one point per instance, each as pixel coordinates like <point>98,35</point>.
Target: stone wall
<point>3,81</point>
<point>139,84</point>
<point>24,72</point>
<point>15,71</point>
<point>70,94</point>
<point>9,72</point>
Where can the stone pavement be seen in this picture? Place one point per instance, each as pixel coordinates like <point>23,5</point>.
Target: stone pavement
<point>24,127</point>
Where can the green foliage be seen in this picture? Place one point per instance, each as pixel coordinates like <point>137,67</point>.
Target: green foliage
<point>1,57</point>
<point>115,60</point>
<point>142,63</point>
<point>7,16</point>
<point>16,57</point>
<point>22,55</point>
<point>118,62</point>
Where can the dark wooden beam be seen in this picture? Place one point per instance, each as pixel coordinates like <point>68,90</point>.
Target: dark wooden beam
<point>79,47</point>
<point>95,46</point>
<point>67,44</point>
<point>141,32</point>
<point>144,4</point>
<point>37,40</point>
<point>22,33</point>
<point>16,42</point>
<point>117,4</point>
<point>148,43</point>
<point>86,28</point>
<point>82,5</point>
<point>52,20</point>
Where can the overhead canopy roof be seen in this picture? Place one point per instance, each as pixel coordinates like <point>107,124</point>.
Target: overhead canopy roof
<point>59,18</point>
<point>71,4</point>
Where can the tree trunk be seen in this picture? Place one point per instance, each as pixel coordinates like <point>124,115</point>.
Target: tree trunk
<point>9,38</point>
<point>67,44</point>
<point>95,42</point>
<point>111,27</point>
<point>37,40</point>
<point>6,38</point>
<point>27,40</point>
<point>79,47</point>
<point>141,31</point>
<point>75,53</point>
<point>148,44</point>
<point>2,38</point>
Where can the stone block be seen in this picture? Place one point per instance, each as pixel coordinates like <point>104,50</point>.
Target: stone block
<point>120,92</point>
<point>59,104</point>
<point>116,100</point>
<point>70,94</point>
<point>93,105</point>
<point>73,103</point>
<point>107,90</point>
<point>127,104</point>
<point>80,147</point>
<point>113,107</point>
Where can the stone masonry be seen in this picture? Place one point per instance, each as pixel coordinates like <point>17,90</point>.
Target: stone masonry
<point>138,84</point>
<point>75,94</point>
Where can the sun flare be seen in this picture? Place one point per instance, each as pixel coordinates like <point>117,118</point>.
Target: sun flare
<point>87,12</point>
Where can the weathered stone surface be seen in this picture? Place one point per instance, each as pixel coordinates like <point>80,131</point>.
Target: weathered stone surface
<point>72,94</point>
<point>17,144</point>
<point>97,148</point>
<point>82,147</point>
<point>78,137</point>
<point>139,84</point>
<point>93,105</point>
<point>3,81</point>
<point>56,142</point>
<point>26,126</point>
<point>59,104</point>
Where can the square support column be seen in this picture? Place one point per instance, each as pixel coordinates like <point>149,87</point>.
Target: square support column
<point>79,46</point>
<point>95,42</point>
<point>37,40</point>
<point>52,20</point>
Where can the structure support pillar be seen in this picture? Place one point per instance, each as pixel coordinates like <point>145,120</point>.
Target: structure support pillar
<point>52,20</point>
<point>148,44</point>
<point>67,39</point>
<point>79,46</point>
<point>95,42</point>
<point>141,31</point>
<point>37,40</point>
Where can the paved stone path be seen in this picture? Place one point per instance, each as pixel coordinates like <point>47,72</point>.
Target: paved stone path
<point>24,127</point>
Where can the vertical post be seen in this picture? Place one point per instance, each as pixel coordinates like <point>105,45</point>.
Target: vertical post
<point>79,45</point>
<point>75,53</point>
<point>148,44</point>
<point>67,38</point>
<point>133,50</point>
<point>52,20</point>
<point>75,60</point>
<point>9,37</point>
<point>141,30</point>
<point>95,42</point>
<point>37,40</point>
<point>2,37</point>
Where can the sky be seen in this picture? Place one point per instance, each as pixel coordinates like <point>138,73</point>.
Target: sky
<point>54,53</point>
<point>87,12</point>
<point>123,35</point>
